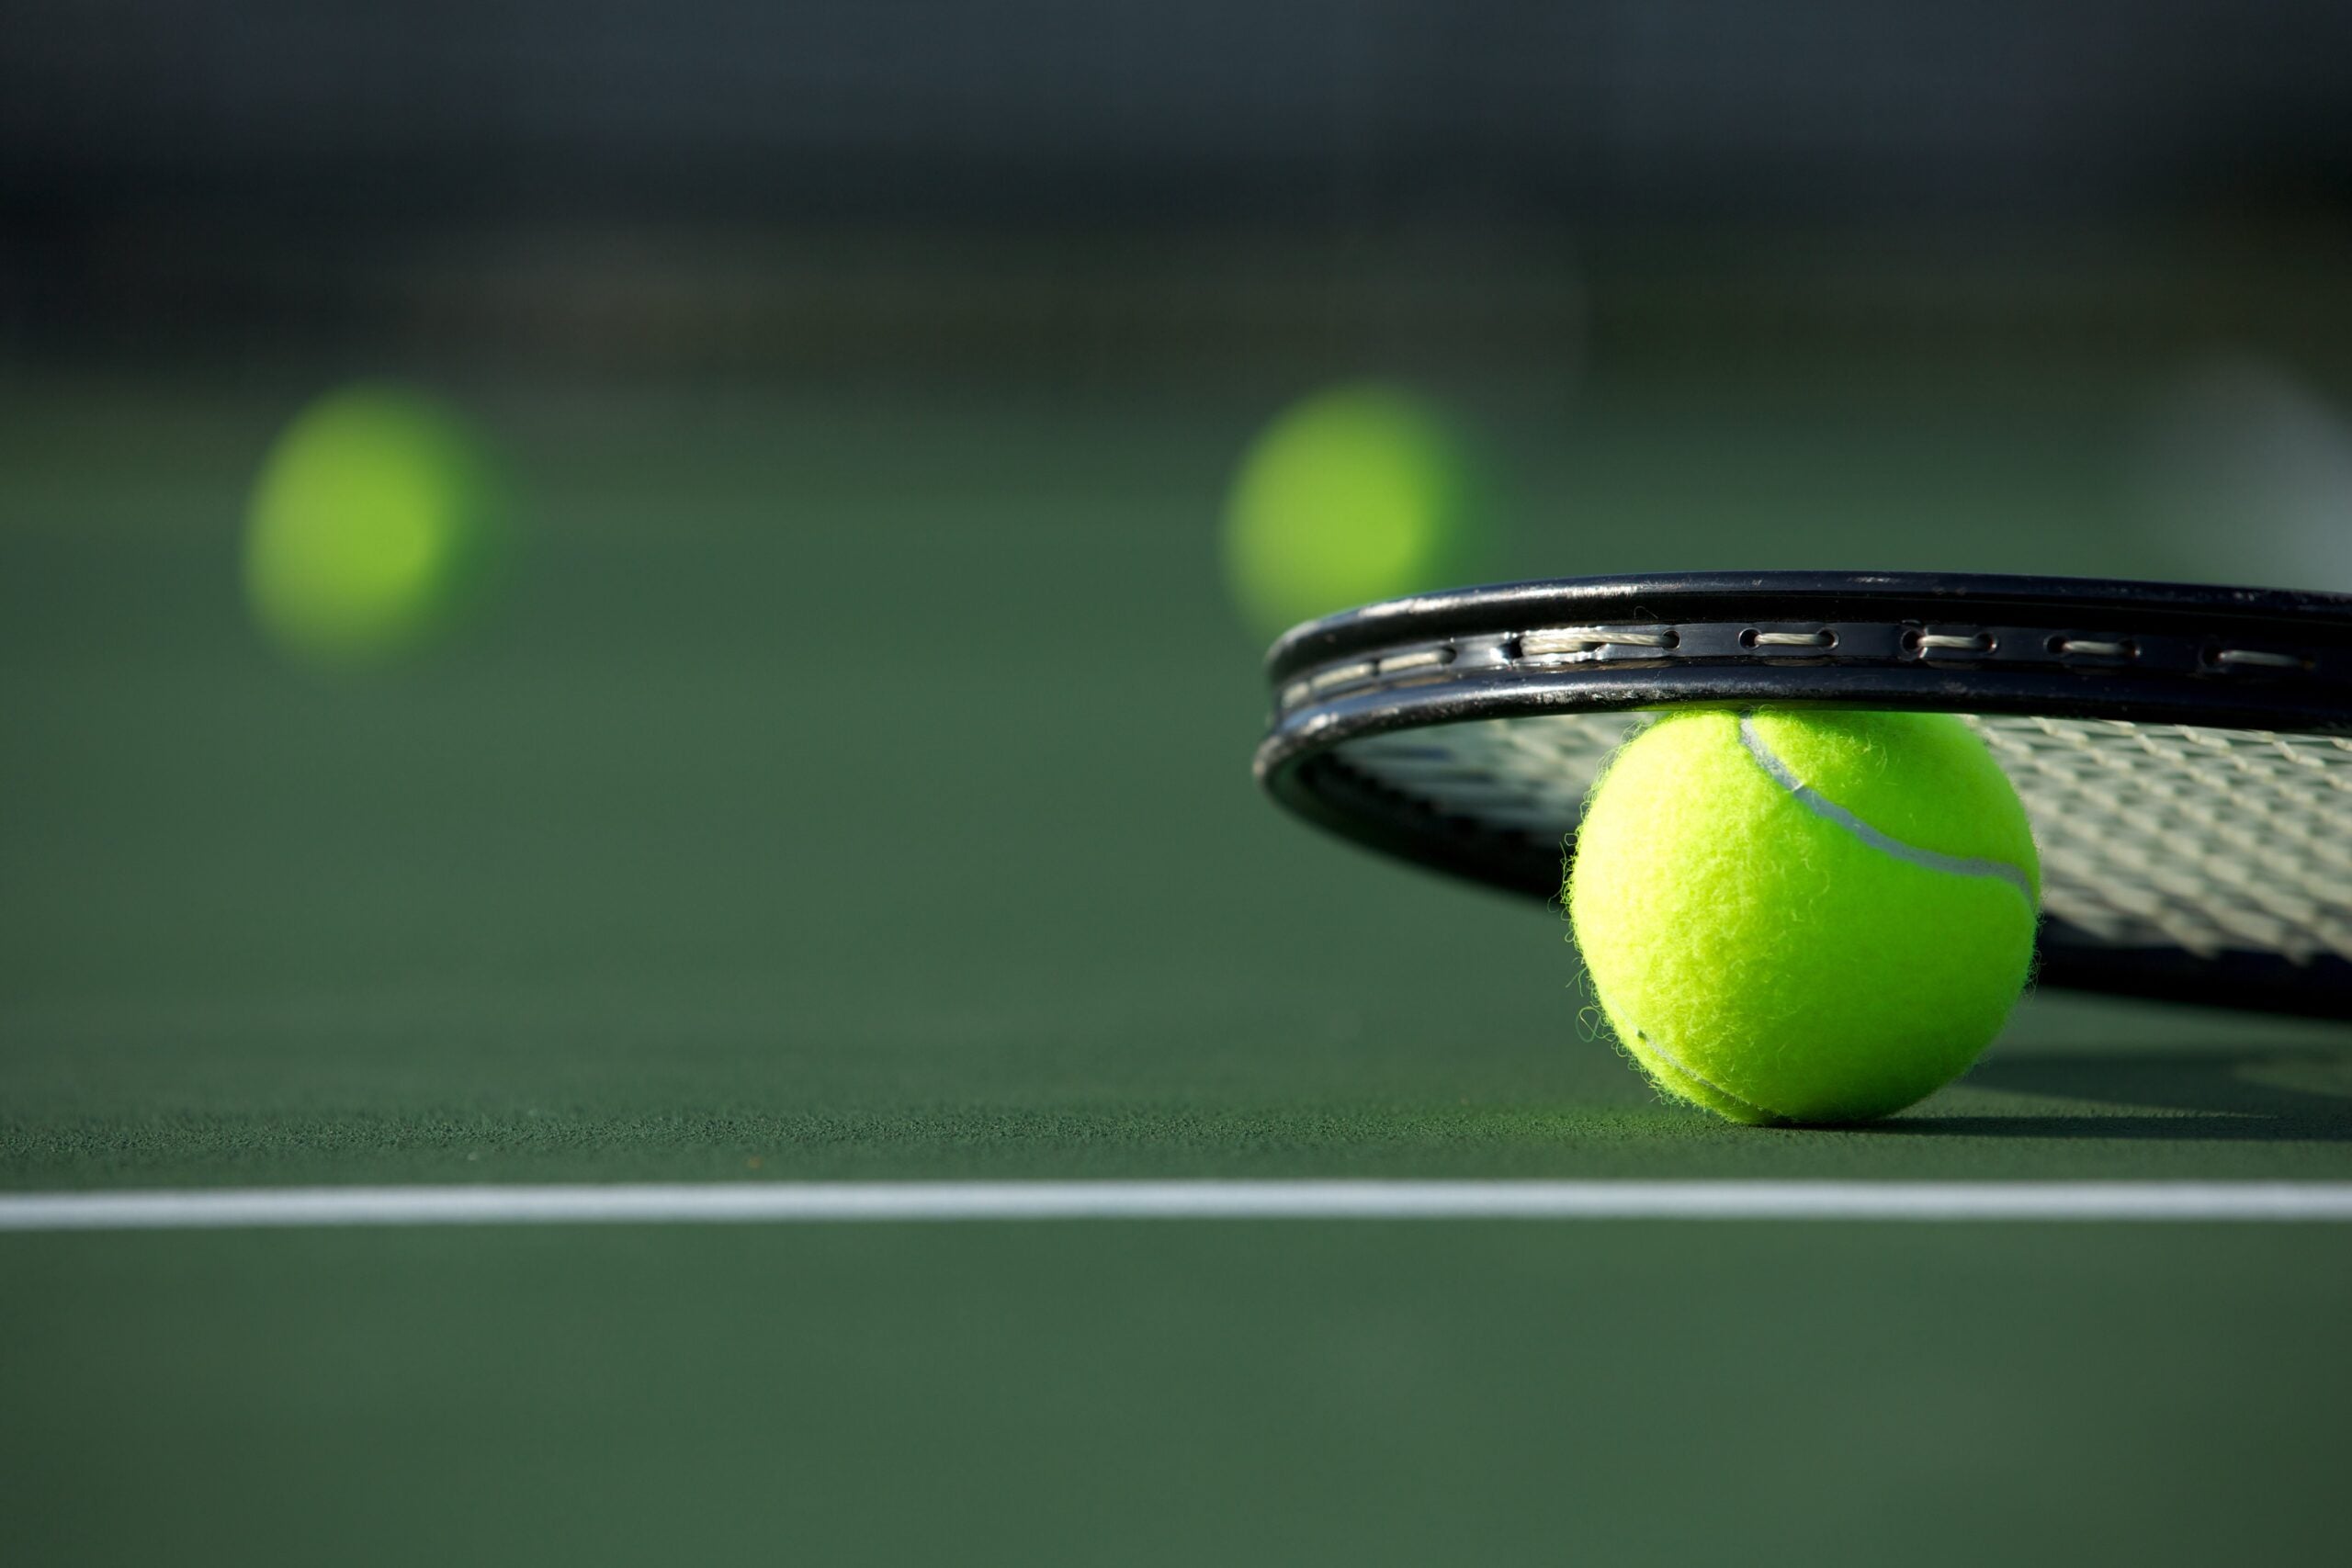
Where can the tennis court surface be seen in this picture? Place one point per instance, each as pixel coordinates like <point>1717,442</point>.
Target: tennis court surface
<point>841,800</point>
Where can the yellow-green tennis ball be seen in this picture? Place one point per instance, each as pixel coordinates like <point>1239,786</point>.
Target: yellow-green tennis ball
<point>1358,493</point>
<point>1794,916</point>
<point>375,519</point>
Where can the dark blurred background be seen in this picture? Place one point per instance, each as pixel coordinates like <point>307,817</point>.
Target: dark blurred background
<point>1131,191</point>
<point>2100,249</point>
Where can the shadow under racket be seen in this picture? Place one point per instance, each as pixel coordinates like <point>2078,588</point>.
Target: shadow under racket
<point>2264,1096</point>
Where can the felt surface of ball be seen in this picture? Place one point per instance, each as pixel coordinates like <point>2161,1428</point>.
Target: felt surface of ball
<point>373,525</point>
<point>1358,493</point>
<point>1805,916</point>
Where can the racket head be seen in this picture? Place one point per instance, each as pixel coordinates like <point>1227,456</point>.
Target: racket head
<point>2185,752</point>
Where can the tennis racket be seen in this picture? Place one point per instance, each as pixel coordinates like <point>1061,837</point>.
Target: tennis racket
<point>2185,752</point>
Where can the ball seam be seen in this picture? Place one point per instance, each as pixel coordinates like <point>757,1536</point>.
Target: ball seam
<point>1836,815</point>
<point>1680,1065</point>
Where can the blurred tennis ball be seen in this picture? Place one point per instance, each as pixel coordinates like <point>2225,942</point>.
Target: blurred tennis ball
<point>1361,492</point>
<point>374,524</point>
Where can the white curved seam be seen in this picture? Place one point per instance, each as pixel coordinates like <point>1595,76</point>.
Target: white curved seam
<point>1837,815</point>
<point>1680,1065</point>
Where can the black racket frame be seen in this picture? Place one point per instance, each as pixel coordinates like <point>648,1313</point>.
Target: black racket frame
<point>2064,648</point>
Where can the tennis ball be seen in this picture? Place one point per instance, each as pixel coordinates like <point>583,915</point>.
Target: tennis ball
<point>1360,492</point>
<point>1805,916</point>
<point>373,524</point>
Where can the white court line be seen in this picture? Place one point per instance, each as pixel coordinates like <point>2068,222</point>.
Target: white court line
<point>873,1202</point>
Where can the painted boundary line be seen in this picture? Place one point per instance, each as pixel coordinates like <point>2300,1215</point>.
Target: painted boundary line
<point>929,1201</point>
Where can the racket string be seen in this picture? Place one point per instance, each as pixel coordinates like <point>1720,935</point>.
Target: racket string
<point>2207,840</point>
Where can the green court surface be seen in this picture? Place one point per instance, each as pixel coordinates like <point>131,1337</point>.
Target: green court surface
<point>855,787</point>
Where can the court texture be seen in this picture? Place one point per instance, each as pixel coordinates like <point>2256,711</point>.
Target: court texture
<point>798,1040</point>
